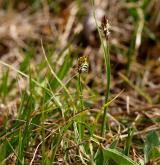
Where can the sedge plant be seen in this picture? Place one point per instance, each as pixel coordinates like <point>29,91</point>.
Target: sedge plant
<point>104,30</point>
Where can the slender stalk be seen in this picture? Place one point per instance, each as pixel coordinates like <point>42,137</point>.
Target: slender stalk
<point>105,124</point>
<point>80,92</point>
<point>81,130</point>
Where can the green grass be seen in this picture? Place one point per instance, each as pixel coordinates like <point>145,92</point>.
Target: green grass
<point>105,46</point>
<point>67,119</point>
<point>55,123</point>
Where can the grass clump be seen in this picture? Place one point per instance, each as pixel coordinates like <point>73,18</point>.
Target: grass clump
<point>51,112</point>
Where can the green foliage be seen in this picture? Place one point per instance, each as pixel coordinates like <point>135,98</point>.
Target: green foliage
<point>3,151</point>
<point>4,85</point>
<point>55,121</point>
<point>26,61</point>
<point>151,147</point>
<point>128,141</point>
<point>67,63</point>
<point>105,154</point>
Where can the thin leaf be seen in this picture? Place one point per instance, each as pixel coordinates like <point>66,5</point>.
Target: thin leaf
<point>117,156</point>
<point>150,146</point>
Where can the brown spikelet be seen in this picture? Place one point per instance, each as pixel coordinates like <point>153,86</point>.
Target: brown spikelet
<point>105,27</point>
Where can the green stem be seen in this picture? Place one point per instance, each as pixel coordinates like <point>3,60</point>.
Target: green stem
<point>105,124</point>
<point>81,129</point>
<point>80,92</point>
<point>107,67</point>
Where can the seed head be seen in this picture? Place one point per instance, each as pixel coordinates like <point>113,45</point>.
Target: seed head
<point>105,26</point>
<point>83,64</point>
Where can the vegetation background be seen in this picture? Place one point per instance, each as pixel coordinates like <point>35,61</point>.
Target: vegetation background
<point>50,113</point>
